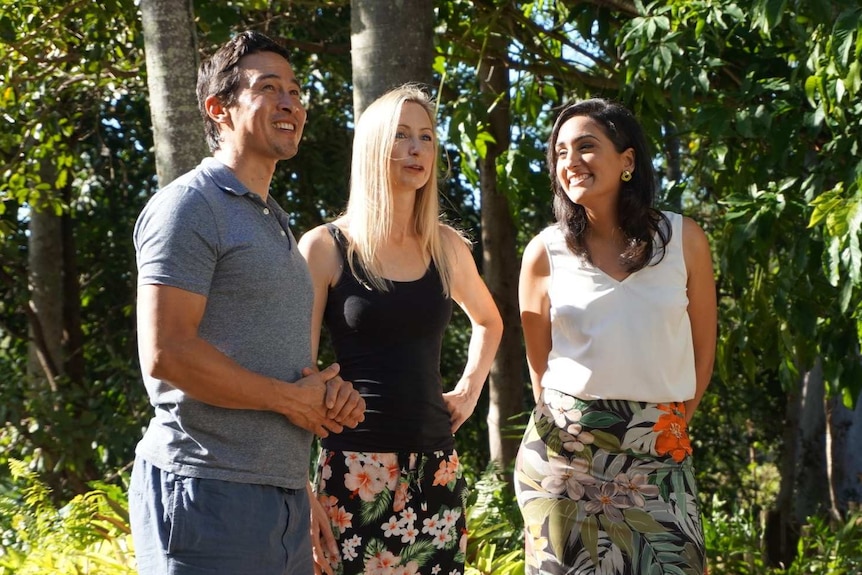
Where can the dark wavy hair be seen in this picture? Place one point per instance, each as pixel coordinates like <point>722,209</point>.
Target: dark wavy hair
<point>219,75</point>
<point>646,229</point>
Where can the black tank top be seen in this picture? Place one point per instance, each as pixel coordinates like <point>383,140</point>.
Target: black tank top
<point>388,345</point>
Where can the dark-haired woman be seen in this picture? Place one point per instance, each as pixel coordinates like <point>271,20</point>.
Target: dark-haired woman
<point>618,308</point>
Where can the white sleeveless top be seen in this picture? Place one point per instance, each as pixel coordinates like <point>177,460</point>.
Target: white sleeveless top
<point>628,339</point>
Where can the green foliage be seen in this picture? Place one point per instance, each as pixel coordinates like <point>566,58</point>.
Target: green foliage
<point>495,544</point>
<point>733,540</point>
<point>61,61</point>
<point>830,548</point>
<point>90,534</point>
<point>735,545</point>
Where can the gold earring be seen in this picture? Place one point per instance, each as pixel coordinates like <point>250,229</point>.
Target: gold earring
<point>626,176</point>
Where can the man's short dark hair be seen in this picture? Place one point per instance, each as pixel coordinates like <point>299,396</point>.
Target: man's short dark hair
<point>219,75</point>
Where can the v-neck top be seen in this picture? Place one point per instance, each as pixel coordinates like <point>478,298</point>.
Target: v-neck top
<point>620,339</point>
<point>388,345</point>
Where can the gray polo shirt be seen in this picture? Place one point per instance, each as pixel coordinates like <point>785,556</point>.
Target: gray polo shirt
<point>208,234</point>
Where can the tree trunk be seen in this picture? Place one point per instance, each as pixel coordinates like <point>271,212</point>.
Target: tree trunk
<point>73,334</point>
<point>812,480</point>
<point>673,172</point>
<point>844,436</point>
<point>391,42</point>
<point>45,278</point>
<point>172,61</point>
<point>804,481</point>
<point>500,265</point>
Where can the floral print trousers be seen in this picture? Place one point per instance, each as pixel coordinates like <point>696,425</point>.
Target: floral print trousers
<point>394,514</point>
<point>606,488</point>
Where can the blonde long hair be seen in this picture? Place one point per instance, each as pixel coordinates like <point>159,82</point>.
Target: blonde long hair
<point>369,207</point>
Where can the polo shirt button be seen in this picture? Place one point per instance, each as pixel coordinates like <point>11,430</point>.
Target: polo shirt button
<point>266,211</point>
<point>283,233</point>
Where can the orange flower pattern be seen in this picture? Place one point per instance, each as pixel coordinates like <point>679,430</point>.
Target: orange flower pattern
<point>672,432</point>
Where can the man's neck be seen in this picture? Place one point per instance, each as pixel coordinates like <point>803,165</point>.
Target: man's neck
<point>255,175</point>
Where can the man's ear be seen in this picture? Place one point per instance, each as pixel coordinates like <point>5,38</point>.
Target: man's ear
<point>216,110</point>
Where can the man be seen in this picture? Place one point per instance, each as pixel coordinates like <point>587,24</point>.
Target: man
<point>224,301</point>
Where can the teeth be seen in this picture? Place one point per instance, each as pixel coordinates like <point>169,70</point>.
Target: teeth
<point>284,126</point>
<point>578,178</point>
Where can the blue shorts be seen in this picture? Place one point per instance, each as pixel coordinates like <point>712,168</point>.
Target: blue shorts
<point>191,526</point>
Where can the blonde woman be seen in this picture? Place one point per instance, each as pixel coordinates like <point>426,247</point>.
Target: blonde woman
<point>385,275</point>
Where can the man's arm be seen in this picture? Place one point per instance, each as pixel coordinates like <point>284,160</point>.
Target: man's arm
<point>172,351</point>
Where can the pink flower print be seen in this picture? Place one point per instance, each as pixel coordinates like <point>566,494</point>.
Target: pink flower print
<point>353,457</point>
<point>454,462</point>
<point>431,525</point>
<point>408,534</point>
<point>606,499</point>
<point>364,481</point>
<point>326,471</point>
<point>575,439</point>
<point>567,476</point>
<point>401,496</point>
<point>340,518</point>
<point>410,569</point>
<point>462,543</point>
<point>560,406</point>
<point>450,517</point>
<point>441,538</point>
<point>374,458</point>
<point>382,564</point>
<point>391,527</point>
<point>636,486</point>
<point>443,475</point>
<point>435,570</point>
<point>408,516</point>
<point>327,502</point>
<point>348,548</point>
<point>392,471</point>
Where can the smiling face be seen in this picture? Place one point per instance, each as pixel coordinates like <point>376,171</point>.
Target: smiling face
<point>587,165</point>
<point>265,122</point>
<point>413,151</point>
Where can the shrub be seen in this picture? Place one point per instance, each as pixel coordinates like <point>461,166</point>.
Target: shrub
<point>87,536</point>
<point>496,542</point>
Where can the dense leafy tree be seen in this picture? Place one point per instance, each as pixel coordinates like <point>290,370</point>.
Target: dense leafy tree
<point>74,159</point>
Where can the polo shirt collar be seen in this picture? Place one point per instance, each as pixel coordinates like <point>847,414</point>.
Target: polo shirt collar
<point>224,178</point>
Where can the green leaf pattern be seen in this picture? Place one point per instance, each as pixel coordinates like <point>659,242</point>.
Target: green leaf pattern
<point>614,507</point>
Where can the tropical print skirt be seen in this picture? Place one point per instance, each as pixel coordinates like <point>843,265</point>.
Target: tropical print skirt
<point>606,488</point>
<point>394,514</point>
